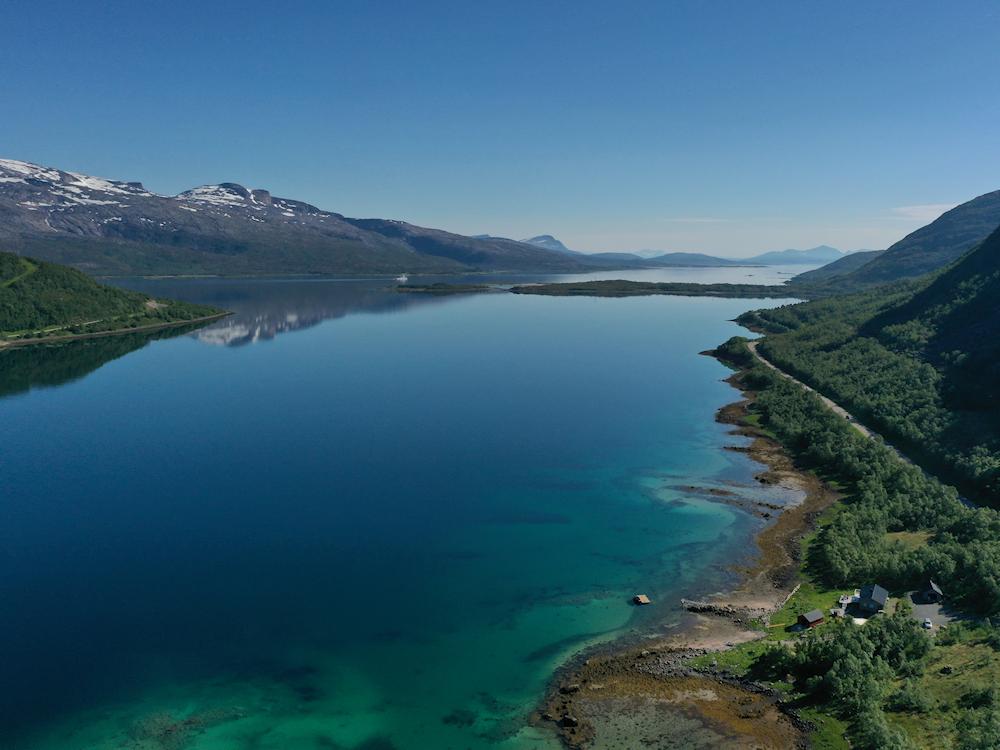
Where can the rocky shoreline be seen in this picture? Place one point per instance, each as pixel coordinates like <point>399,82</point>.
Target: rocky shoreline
<point>645,691</point>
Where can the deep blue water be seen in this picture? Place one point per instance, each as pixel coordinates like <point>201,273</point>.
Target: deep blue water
<point>350,518</point>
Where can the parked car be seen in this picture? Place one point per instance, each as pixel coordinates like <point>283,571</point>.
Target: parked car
<point>928,624</point>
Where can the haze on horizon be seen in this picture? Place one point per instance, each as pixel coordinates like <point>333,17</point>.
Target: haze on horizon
<point>729,130</point>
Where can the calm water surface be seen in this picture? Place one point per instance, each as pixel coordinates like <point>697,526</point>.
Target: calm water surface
<point>351,518</point>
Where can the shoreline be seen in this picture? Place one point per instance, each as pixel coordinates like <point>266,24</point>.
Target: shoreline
<point>649,679</point>
<point>117,332</point>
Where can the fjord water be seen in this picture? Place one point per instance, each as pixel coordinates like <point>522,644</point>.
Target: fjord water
<point>382,525</point>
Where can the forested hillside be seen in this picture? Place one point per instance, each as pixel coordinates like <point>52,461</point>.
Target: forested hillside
<point>839,267</point>
<point>919,361</point>
<point>892,685</point>
<point>40,299</point>
<point>927,249</point>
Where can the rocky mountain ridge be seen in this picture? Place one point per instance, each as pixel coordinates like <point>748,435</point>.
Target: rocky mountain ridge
<point>119,228</point>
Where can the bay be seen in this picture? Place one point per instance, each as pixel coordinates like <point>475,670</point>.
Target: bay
<point>351,518</point>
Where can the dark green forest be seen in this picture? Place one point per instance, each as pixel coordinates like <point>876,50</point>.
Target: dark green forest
<point>886,494</point>
<point>39,299</point>
<point>917,361</point>
<point>861,673</point>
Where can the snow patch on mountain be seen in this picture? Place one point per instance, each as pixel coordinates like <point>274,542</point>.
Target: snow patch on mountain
<point>29,170</point>
<point>105,186</point>
<point>215,194</point>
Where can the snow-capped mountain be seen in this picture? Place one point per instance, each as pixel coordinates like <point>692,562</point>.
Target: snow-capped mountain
<point>114,227</point>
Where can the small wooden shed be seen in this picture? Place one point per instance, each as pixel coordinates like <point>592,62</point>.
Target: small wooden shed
<point>811,619</point>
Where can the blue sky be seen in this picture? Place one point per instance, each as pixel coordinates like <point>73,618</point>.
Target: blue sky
<point>722,127</point>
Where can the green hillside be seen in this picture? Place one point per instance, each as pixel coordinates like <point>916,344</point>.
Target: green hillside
<point>954,324</point>
<point>891,684</point>
<point>927,249</point>
<point>919,361</point>
<point>839,267</point>
<point>45,300</point>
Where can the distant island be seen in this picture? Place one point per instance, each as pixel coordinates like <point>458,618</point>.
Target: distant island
<point>620,288</point>
<point>441,288</point>
<point>44,302</point>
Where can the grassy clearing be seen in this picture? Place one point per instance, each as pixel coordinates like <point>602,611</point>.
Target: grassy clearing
<point>27,268</point>
<point>954,672</point>
<point>829,732</point>
<point>736,660</point>
<point>909,539</point>
<point>809,596</point>
<point>753,420</point>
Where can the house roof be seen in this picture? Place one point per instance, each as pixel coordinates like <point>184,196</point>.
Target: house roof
<point>814,616</point>
<point>935,588</point>
<point>874,592</point>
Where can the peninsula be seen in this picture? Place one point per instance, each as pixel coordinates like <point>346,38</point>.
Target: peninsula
<point>44,302</point>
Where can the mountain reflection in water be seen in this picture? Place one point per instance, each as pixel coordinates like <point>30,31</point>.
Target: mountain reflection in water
<point>265,308</point>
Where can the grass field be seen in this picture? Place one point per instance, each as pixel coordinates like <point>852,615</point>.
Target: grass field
<point>954,680</point>
<point>909,539</point>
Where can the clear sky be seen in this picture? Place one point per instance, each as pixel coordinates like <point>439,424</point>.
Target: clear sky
<point>724,127</point>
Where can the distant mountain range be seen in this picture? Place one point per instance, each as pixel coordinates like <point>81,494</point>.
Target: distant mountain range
<point>654,258</point>
<point>114,228</point>
<point>819,254</point>
<point>120,228</point>
<point>627,260</point>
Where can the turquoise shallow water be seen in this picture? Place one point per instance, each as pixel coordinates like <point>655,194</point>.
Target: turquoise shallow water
<point>345,518</point>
